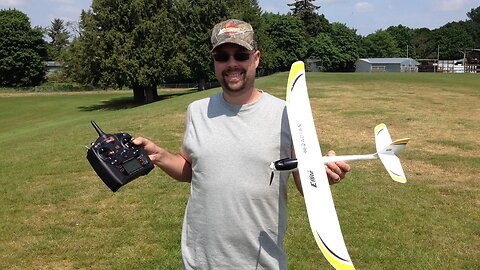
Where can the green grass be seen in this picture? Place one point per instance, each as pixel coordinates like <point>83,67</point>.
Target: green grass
<point>56,213</point>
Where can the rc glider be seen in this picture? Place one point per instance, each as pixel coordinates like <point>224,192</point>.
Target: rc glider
<point>316,190</point>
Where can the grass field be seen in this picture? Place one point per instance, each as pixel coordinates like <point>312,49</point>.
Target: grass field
<point>55,213</point>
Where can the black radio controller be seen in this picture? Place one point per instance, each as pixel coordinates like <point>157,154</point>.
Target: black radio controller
<point>116,160</point>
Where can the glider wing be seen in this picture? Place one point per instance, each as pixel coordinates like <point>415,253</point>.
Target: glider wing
<point>318,197</point>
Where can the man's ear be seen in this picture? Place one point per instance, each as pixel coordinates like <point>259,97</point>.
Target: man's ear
<point>257,58</point>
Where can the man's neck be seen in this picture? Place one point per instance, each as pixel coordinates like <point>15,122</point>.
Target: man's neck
<point>242,98</point>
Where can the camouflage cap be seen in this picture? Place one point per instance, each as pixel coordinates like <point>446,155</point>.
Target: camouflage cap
<point>233,31</point>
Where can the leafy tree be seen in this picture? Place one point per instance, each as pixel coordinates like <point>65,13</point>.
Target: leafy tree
<point>423,46</point>
<point>337,50</point>
<point>452,38</point>
<point>346,42</point>
<point>21,50</point>
<point>403,38</point>
<point>303,6</point>
<point>246,10</point>
<point>318,24</point>
<point>474,14</point>
<point>380,44</point>
<point>473,25</point>
<point>288,38</point>
<point>59,36</point>
<point>197,20</point>
<point>132,43</point>
<point>306,11</point>
<point>322,48</point>
<point>84,53</point>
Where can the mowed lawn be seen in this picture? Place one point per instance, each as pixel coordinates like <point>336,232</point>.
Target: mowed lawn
<point>55,213</point>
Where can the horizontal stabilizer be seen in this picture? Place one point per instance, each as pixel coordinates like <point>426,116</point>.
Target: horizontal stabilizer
<point>387,151</point>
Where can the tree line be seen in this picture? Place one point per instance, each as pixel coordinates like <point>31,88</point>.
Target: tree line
<point>143,43</point>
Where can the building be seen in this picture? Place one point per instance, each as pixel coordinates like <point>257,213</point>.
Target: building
<point>386,65</point>
<point>53,66</point>
<point>453,66</point>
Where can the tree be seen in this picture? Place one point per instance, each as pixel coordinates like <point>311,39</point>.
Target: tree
<point>474,14</point>
<point>380,44</point>
<point>453,39</point>
<point>288,38</point>
<point>246,10</point>
<point>134,43</point>
<point>84,52</point>
<point>306,11</point>
<point>473,25</point>
<point>21,50</point>
<point>300,6</point>
<point>197,20</point>
<point>58,38</point>
<point>322,48</point>
<point>423,45</point>
<point>346,42</point>
<point>337,50</point>
<point>403,38</point>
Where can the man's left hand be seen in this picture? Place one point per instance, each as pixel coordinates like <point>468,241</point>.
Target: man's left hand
<point>336,171</point>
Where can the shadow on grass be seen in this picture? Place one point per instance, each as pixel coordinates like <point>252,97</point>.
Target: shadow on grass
<point>122,103</point>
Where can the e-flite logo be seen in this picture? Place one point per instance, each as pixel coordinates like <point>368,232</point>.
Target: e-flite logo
<point>302,138</point>
<point>311,175</point>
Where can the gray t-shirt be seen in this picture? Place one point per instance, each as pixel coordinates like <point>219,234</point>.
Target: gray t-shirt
<point>234,219</point>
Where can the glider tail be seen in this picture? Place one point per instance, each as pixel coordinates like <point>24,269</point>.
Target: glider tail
<point>387,150</point>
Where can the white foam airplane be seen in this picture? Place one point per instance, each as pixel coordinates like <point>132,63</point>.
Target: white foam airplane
<point>316,190</point>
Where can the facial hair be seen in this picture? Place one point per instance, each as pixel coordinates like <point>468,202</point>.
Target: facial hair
<point>234,80</point>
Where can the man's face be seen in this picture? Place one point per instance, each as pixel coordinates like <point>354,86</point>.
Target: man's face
<point>235,67</point>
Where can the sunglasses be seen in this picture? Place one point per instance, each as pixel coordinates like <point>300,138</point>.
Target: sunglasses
<point>224,57</point>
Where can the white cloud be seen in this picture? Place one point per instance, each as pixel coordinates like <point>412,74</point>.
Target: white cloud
<point>452,5</point>
<point>12,3</point>
<point>363,7</point>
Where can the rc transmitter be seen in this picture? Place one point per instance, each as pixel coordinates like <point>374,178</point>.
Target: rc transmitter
<point>116,160</point>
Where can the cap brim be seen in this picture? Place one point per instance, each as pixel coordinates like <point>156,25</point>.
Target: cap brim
<point>240,42</point>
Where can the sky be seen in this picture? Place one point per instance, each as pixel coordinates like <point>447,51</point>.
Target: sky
<point>366,16</point>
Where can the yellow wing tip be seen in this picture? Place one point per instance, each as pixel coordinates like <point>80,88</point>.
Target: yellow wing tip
<point>379,127</point>
<point>398,179</point>
<point>297,67</point>
<point>331,258</point>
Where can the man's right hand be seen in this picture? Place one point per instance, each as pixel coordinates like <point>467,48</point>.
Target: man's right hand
<point>177,166</point>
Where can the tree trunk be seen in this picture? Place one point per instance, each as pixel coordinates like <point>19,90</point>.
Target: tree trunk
<point>151,94</point>
<point>201,84</point>
<point>145,94</point>
<point>155,93</point>
<point>138,94</point>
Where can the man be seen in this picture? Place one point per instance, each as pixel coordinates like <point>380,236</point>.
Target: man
<point>234,219</point>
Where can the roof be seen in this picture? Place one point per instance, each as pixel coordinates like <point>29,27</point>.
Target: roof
<point>53,64</point>
<point>401,61</point>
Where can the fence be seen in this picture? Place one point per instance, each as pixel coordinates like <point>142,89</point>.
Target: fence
<point>208,85</point>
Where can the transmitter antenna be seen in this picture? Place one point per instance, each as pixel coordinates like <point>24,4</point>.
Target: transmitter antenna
<point>98,129</point>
